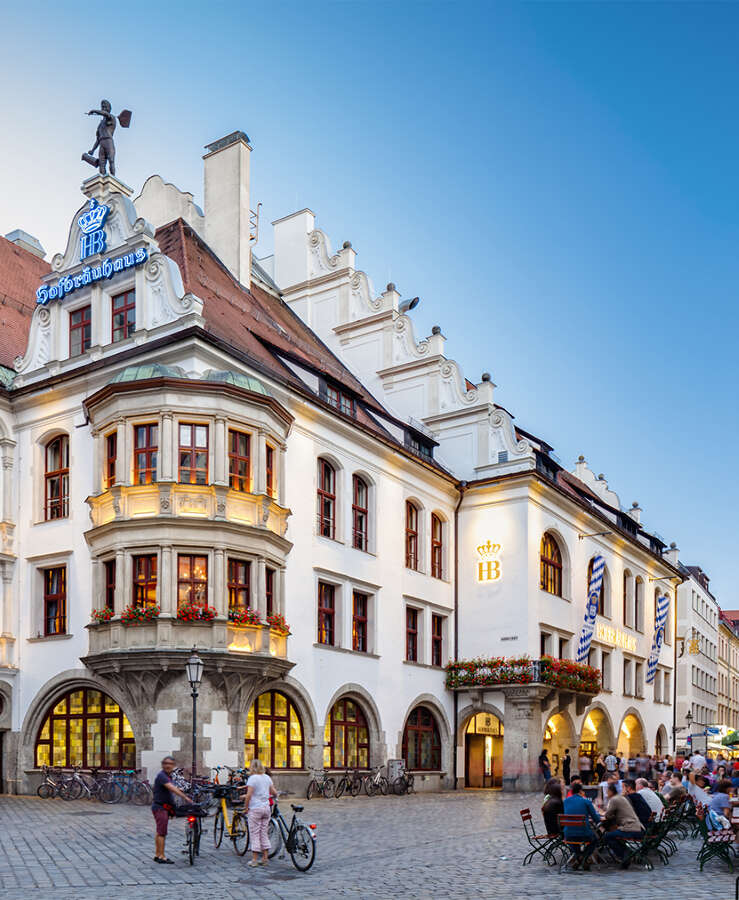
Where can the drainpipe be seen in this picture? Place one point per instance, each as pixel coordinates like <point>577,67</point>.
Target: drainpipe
<point>461,487</point>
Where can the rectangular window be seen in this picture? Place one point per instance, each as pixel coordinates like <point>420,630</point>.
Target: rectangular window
<point>111,455</point>
<point>563,648</point>
<point>193,454</point>
<point>339,400</point>
<point>359,513</point>
<point>359,622</point>
<point>239,463</point>
<point>326,499</point>
<point>239,579</point>
<point>80,323</point>
<point>110,584</point>
<point>56,505</point>
<point>269,453</point>
<point>543,643</point>
<point>411,536</point>
<point>628,686</point>
<point>605,671</point>
<point>269,590</point>
<point>55,600</point>
<point>145,450</point>
<point>437,629</point>
<point>123,312</point>
<point>411,635</point>
<point>436,546</point>
<point>326,613</point>
<point>638,685</point>
<point>145,580</point>
<point>192,580</point>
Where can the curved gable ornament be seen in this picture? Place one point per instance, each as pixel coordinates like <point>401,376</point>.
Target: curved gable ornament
<point>165,298</point>
<point>38,350</point>
<point>503,437</point>
<point>323,259</point>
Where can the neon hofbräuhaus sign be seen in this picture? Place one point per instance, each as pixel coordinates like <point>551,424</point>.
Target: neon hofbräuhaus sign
<point>92,242</point>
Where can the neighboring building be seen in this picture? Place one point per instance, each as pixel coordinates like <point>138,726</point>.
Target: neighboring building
<point>698,674</point>
<point>208,442</point>
<point>728,670</point>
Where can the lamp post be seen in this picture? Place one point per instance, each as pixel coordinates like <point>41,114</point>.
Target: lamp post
<point>689,720</point>
<point>194,668</point>
<point>676,730</point>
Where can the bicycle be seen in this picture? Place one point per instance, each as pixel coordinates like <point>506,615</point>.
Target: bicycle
<point>404,784</point>
<point>375,783</point>
<point>237,828</point>
<point>321,784</point>
<point>49,788</point>
<point>299,839</point>
<point>349,781</point>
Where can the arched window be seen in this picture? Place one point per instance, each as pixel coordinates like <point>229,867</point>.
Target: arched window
<point>639,604</point>
<point>274,733</point>
<point>347,737</point>
<point>360,516</point>
<point>550,566</point>
<point>437,546</point>
<point>421,741</point>
<point>56,487</point>
<point>411,535</point>
<point>326,499</point>
<point>602,595</point>
<point>86,728</point>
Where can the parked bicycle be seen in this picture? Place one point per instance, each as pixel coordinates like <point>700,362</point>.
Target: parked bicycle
<point>376,783</point>
<point>236,828</point>
<point>299,839</point>
<point>49,787</point>
<point>321,783</point>
<point>349,781</point>
<point>404,784</point>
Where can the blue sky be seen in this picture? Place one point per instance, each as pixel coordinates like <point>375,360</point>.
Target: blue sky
<point>557,182</point>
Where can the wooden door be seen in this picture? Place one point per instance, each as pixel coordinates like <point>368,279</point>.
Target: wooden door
<point>475,760</point>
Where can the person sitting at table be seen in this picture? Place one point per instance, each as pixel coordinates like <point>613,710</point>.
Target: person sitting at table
<point>638,803</point>
<point>674,788</point>
<point>574,780</point>
<point>553,807</point>
<point>578,805</point>
<point>720,802</point>
<point>696,785</point>
<point>654,803</point>
<point>623,822</point>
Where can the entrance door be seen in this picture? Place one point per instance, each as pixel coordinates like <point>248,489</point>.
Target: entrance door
<point>475,760</point>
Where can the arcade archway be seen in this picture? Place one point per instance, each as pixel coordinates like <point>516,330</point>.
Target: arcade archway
<point>483,751</point>
<point>559,735</point>
<point>631,737</point>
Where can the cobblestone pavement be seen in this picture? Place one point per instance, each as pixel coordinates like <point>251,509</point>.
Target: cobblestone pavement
<point>455,845</point>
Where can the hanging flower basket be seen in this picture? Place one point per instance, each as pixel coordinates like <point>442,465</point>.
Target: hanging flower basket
<point>139,615</point>
<point>562,673</point>
<point>277,623</point>
<point>192,612</point>
<point>244,617</point>
<point>101,615</point>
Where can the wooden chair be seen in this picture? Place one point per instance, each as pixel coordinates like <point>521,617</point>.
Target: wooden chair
<point>574,847</point>
<point>543,844</point>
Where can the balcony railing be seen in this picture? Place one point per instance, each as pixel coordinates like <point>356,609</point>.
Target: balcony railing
<point>500,670</point>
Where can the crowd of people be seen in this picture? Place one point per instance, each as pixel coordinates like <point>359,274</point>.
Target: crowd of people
<point>628,791</point>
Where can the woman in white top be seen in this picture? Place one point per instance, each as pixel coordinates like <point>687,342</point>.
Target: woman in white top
<point>259,789</point>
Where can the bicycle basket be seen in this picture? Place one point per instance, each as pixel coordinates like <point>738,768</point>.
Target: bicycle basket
<point>190,809</point>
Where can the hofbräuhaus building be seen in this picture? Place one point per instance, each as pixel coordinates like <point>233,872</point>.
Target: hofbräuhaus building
<point>259,459</point>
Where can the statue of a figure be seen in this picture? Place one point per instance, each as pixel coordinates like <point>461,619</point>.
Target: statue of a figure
<point>104,137</point>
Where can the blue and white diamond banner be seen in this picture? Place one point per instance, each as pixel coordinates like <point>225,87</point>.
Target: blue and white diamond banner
<point>660,619</point>
<point>591,609</point>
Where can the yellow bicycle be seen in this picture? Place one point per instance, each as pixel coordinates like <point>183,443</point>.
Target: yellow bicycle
<point>236,828</point>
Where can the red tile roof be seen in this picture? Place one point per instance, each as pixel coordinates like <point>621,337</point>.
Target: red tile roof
<point>20,275</point>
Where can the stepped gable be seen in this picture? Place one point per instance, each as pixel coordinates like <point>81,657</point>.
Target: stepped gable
<point>20,274</point>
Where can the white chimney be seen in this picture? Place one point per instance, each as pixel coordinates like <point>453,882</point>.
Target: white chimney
<point>226,189</point>
<point>26,241</point>
<point>672,555</point>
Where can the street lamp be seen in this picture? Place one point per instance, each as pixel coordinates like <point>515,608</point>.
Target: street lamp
<point>194,668</point>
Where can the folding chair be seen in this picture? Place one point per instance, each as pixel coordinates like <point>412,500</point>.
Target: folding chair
<point>569,845</point>
<point>716,844</point>
<point>544,844</point>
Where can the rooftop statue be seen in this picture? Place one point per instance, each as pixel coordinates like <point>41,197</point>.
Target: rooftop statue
<point>104,137</point>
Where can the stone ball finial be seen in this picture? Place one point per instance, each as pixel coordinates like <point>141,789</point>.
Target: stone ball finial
<point>436,330</point>
<point>635,504</point>
<point>347,245</point>
<point>601,477</point>
<point>673,546</point>
<point>581,458</point>
<point>486,376</point>
<point>390,286</point>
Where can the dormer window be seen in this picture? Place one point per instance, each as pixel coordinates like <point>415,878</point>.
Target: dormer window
<point>123,308</point>
<point>337,398</point>
<point>80,325</point>
<point>418,446</point>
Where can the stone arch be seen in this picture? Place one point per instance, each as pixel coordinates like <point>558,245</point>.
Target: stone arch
<point>632,735</point>
<point>660,742</point>
<point>361,696</point>
<point>597,728</point>
<point>445,730</point>
<point>564,552</point>
<point>465,714</point>
<point>563,736</point>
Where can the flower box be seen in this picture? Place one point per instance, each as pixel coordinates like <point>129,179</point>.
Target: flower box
<point>561,673</point>
<point>192,612</point>
<point>277,623</point>
<point>244,617</point>
<point>99,616</point>
<point>139,615</point>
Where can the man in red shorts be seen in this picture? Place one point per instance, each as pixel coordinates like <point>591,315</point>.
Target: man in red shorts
<point>162,794</point>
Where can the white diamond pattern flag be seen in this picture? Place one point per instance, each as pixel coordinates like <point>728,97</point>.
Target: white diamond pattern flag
<point>663,607</point>
<point>591,609</point>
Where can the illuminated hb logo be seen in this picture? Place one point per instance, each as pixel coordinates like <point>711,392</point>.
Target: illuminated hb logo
<point>488,568</point>
<point>91,224</point>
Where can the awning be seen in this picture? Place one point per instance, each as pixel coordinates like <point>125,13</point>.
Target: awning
<point>731,738</point>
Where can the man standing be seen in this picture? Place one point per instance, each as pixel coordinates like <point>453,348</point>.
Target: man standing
<point>544,765</point>
<point>566,763</point>
<point>611,762</point>
<point>104,137</point>
<point>163,792</point>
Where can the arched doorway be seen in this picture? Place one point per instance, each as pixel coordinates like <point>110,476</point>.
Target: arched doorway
<point>596,735</point>
<point>631,739</point>
<point>483,751</point>
<point>346,739</point>
<point>660,743</point>
<point>558,737</point>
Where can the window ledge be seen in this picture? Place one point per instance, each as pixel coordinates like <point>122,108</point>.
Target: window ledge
<point>49,637</point>
<point>426,771</point>
<point>333,540</point>
<point>346,650</point>
<point>420,665</point>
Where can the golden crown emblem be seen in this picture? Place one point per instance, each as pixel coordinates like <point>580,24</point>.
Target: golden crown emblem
<point>488,550</point>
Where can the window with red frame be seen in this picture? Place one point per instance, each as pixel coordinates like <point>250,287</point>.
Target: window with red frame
<point>411,536</point>
<point>326,499</point>
<point>269,453</point>
<point>111,455</point>
<point>145,580</point>
<point>192,580</point>
<point>269,590</point>
<point>437,638</point>
<point>55,600</point>
<point>346,737</point>
<point>550,566</point>
<point>239,581</point>
<point>145,451</point>
<point>56,500</point>
<point>123,311</point>
<point>411,635</point>
<point>437,546</point>
<point>239,462</point>
<point>339,400</point>
<point>193,454</point>
<point>274,732</point>
<point>421,741</point>
<point>326,613</point>
<point>80,324</point>
<point>110,584</point>
<point>359,621</point>
<point>360,518</point>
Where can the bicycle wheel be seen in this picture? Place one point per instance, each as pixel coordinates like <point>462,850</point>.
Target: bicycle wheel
<point>141,794</point>
<point>303,850</point>
<point>341,786</point>
<point>72,790</point>
<point>399,785</point>
<point>312,789</point>
<point>45,791</point>
<point>218,829</point>
<point>239,834</point>
<point>356,786</point>
<point>384,785</point>
<point>190,845</point>
<point>275,838</point>
<point>370,788</point>
<point>329,788</point>
<point>410,789</point>
<point>198,834</point>
<point>110,792</point>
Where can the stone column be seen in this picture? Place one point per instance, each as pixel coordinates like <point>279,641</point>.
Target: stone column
<point>167,450</point>
<point>260,588</point>
<point>219,462</point>
<point>524,733</point>
<point>120,582</point>
<point>123,461</point>
<point>7,446</point>
<point>220,601</point>
<point>167,579</point>
<point>98,586</point>
<point>258,474</point>
<point>98,467</point>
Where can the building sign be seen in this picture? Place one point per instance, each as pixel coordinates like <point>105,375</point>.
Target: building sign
<point>610,635</point>
<point>488,567</point>
<point>92,239</point>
